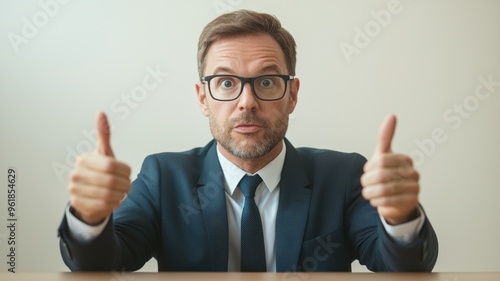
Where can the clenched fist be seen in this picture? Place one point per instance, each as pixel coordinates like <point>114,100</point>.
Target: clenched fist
<point>99,182</point>
<point>389,181</point>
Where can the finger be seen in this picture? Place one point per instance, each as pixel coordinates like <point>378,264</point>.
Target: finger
<point>386,133</point>
<point>95,192</point>
<point>104,135</point>
<point>389,160</point>
<point>91,177</point>
<point>92,208</point>
<point>104,164</point>
<point>385,175</point>
<point>390,189</point>
<point>400,200</point>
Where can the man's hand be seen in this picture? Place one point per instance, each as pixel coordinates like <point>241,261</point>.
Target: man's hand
<point>389,181</point>
<point>98,183</point>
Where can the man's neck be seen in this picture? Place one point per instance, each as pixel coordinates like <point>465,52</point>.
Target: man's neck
<point>251,166</point>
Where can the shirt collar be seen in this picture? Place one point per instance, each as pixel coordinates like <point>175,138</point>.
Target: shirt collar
<point>270,174</point>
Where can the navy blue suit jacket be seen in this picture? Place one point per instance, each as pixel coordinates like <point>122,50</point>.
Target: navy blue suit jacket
<point>176,213</point>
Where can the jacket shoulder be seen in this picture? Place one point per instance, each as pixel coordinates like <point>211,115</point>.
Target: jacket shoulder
<point>191,156</point>
<point>172,164</point>
<point>321,156</point>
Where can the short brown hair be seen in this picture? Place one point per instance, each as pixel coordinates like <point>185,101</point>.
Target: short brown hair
<point>244,22</point>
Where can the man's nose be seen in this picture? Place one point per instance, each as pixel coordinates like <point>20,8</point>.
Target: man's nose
<point>247,99</point>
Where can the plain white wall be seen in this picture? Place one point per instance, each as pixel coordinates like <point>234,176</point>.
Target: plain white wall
<point>422,64</point>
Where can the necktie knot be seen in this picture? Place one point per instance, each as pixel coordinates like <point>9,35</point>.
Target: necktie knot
<point>248,185</point>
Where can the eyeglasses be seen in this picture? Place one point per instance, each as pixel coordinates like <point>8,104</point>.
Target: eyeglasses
<point>224,87</point>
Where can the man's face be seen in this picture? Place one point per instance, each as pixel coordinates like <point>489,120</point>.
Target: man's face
<point>247,127</point>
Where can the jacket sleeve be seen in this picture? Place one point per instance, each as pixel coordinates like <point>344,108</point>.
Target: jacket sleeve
<point>131,236</point>
<point>373,246</point>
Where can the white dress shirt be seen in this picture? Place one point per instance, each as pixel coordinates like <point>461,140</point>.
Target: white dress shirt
<point>266,198</point>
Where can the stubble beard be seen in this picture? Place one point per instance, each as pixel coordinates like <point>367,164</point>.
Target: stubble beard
<point>251,147</point>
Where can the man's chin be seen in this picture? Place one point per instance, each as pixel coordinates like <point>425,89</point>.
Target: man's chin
<point>247,145</point>
<point>248,138</point>
<point>246,148</point>
<point>251,148</point>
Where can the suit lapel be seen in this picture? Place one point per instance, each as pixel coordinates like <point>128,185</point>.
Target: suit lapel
<point>213,205</point>
<point>293,209</point>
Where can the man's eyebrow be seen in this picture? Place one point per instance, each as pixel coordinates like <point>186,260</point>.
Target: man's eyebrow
<point>223,69</point>
<point>269,68</point>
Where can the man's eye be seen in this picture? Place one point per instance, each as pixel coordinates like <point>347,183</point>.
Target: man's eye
<point>226,83</point>
<point>266,83</point>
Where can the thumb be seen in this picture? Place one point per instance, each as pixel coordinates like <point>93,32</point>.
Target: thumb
<point>104,135</point>
<point>385,135</point>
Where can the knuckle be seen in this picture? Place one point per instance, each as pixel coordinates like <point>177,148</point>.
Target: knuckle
<point>363,180</point>
<point>384,201</point>
<point>386,189</point>
<point>104,194</point>
<point>365,166</point>
<point>80,160</point>
<point>108,195</point>
<point>402,159</point>
<point>366,193</point>
<point>74,176</point>
<point>108,165</point>
<point>111,181</point>
<point>409,161</point>
<point>416,188</point>
<point>416,175</point>
<point>128,170</point>
<point>405,171</point>
<point>72,188</point>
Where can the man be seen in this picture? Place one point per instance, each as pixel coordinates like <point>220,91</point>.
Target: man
<point>249,200</point>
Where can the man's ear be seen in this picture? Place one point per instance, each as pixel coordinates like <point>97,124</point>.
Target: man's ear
<point>202,98</point>
<point>294,92</point>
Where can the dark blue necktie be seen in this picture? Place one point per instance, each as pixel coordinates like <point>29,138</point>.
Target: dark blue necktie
<point>253,254</point>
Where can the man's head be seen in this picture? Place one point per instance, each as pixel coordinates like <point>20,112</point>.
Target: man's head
<point>251,121</point>
<point>244,22</point>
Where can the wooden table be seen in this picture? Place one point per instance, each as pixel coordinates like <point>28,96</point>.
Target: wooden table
<point>120,276</point>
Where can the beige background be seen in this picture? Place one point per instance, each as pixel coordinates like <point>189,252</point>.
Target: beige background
<point>423,65</point>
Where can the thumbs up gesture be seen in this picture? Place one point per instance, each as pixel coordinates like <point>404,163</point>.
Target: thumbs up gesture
<point>389,181</point>
<point>99,182</point>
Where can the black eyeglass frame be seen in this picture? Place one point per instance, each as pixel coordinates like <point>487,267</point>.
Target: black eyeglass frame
<point>244,80</point>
